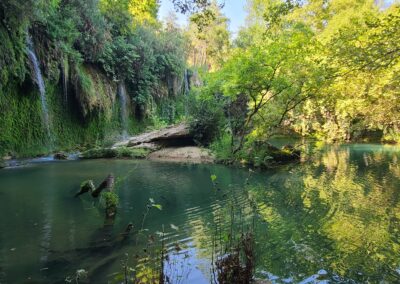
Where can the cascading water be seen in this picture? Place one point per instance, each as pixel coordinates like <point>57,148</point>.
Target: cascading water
<point>123,109</point>
<point>186,89</point>
<point>186,82</point>
<point>65,78</point>
<point>39,80</point>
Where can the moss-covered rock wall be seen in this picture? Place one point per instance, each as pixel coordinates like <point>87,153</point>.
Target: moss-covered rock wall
<point>89,115</point>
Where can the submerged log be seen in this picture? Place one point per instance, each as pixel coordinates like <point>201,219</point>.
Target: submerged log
<point>86,186</point>
<point>107,184</point>
<point>124,235</point>
<point>103,250</point>
<point>111,212</point>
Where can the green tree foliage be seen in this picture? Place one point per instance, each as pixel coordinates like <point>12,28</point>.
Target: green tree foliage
<point>121,37</point>
<point>364,57</point>
<point>191,6</point>
<point>85,48</point>
<point>327,68</point>
<point>274,75</point>
<point>209,38</point>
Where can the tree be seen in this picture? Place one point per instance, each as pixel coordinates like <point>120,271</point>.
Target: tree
<point>209,39</point>
<point>276,77</point>
<point>192,6</point>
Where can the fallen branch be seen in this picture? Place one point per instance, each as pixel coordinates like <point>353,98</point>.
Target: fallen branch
<point>108,184</point>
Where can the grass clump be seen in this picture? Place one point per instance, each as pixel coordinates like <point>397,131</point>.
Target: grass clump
<point>110,199</point>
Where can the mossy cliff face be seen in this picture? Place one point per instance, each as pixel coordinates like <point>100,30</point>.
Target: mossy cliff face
<point>88,116</point>
<point>81,57</point>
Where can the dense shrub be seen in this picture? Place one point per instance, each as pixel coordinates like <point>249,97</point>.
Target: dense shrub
<point>207,121</point>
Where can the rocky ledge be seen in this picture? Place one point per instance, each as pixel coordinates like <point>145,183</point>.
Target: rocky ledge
<point>174,144</point>
<point>174,135</point>
<point>188,154</point>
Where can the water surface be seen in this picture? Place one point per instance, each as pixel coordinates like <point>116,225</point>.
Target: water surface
<point>336,212</point>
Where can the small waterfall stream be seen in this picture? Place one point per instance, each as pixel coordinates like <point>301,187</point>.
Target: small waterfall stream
<point>123,109</point>
<point>186,89</point>
<point>65,78</point>
<point>186,82</point>
<point>39,80</point>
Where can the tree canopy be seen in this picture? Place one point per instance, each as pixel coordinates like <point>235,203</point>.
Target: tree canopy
<point>322,68</point>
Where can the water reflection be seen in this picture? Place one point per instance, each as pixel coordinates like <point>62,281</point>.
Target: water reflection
<point>333,217</point>
<point>340,213</point>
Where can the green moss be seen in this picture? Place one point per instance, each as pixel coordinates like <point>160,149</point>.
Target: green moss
<point>138,153</point>
<point>87,186</point>
<point>21,128</point>
<point>123,152</point>
<point>95,92</point>
<point>22,133</point>
<point>12,54</point>
<point>110,199</point>
<point>259,154</point>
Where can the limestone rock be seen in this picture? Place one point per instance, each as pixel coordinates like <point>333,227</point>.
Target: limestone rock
<point>162,136</point>
<point>189,154</point>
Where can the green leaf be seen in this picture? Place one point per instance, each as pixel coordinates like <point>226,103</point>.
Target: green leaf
<point>158,206</point>
<point>213,178</point>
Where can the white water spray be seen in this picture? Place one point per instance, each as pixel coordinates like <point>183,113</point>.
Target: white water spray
<point>39,80</point>
<point>186,89</point>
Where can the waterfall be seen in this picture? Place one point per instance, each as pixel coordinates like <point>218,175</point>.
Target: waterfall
<point>65,78</point>
<point>186,89</point>
<point>40,83</point>
<point>123,109</point>
<point>186,82</point>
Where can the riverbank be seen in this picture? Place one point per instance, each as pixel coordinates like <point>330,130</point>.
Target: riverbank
<point>174,143</point>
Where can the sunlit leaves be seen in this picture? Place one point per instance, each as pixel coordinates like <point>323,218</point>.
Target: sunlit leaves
<point>158,206</point>
<point>209,39</point>
<point>192,6</point>
<point>144,11</point>
<point>372,42</point>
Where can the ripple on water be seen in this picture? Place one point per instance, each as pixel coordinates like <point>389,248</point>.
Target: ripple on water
<point>335,213</point>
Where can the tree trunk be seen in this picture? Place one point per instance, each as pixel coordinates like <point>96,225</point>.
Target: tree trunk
<point>108,184</point>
